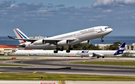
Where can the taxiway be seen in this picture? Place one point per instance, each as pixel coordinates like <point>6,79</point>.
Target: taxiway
<point>62,65</point>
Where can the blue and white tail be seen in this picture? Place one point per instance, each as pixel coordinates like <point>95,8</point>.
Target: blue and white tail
<point>20,35</point>
<point>121,49</point>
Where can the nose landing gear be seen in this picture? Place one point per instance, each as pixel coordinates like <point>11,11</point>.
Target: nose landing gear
<point>102,40</point>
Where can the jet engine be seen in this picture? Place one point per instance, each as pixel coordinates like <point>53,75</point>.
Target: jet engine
<point>63,42</point>
<point>22,45</point>
<point>96,54</point>
<point>85,42</point>
<point>39,42</point>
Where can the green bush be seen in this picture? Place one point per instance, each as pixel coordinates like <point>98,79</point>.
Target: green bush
<point>127,54</point>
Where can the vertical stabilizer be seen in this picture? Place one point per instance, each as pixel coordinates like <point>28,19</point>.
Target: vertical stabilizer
<point>20,35</point>
<point>121,49</point>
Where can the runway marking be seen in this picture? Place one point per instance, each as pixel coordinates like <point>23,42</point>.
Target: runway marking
<point>61,72</point>
<point>35,72</point>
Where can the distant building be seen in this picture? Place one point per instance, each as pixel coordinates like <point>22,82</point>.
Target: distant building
<point>103,46</point>
<point>6,49</point>
<point>133,44</point>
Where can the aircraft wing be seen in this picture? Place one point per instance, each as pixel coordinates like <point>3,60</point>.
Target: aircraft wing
<point>51,41</point>
<point>30,40</point>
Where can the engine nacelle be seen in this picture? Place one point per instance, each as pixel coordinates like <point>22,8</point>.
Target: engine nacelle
<point>24,44</point>
<point>63,42</point>
<point>38,42</point>
<point>85,42</point>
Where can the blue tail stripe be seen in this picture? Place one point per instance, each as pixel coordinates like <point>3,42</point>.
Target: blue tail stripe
<point>21,34</point>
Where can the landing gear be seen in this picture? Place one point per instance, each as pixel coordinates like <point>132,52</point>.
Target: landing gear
<point>69,48</point>
<point>103,57</point>
<point>68,51</point>
<point>62,48</point>
<point>55,51</point>
<point>102,39</point>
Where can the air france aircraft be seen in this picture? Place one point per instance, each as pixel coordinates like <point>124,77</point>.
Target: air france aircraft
<point>59,41</point>
<point>102,53</point>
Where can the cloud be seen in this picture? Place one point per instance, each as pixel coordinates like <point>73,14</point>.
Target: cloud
<point>61,5</point>
<point>115,13</point>
<point>125,1</point>
<point>9,6</point>
<point>113,2</point>
<point>103,3</point>
<point>107,11</point>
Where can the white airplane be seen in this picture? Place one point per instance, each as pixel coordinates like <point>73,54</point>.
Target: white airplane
<point>90,53</point>
<point>59,41</point>
<point>102,53</point>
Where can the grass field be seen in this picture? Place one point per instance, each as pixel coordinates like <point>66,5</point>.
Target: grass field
<point>13,65</point>
<point>37,76</point>
<point>4,59</point>
<point>121,63</point>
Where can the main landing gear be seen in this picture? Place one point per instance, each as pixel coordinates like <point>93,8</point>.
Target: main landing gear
<point>69,48</point>
<point>102,57</point>
<point>62,48</point>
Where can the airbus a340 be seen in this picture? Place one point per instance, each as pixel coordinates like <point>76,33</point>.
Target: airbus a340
<point>59,41</point>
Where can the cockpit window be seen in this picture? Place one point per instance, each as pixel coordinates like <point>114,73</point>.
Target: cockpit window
<point>106,27</point>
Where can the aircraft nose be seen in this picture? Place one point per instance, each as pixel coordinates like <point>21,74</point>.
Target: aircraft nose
<point>110,29</point>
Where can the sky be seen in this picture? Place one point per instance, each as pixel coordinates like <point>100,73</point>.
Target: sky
<point>54,17</point>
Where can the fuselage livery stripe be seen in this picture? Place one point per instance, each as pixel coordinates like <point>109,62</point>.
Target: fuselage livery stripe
<point>79,34</point>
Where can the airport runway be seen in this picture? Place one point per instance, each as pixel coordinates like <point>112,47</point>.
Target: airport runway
<point>63,66</point>
<point>67,82</point>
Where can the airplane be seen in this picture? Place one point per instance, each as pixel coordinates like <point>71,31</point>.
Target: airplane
<point>103,53</point>
<point>76,53</point>
<point>59,41</point>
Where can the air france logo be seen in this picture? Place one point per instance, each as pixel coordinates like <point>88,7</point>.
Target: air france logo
<point>85,51</point>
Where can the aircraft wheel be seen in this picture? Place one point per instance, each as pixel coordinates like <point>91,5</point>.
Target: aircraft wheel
<point>102,40</point>
<point>97,56</point>
<point>103,57</point>
<point>68,51</point>
<point>62,48</point>
<point>55,51</point>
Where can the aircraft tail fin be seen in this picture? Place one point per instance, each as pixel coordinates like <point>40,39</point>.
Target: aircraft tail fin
<point>20,35</point>
<point>121,49</point>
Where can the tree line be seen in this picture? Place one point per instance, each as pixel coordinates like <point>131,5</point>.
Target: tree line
<point>114,46</point>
